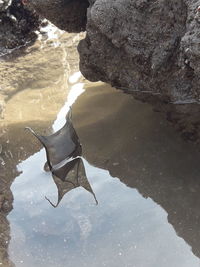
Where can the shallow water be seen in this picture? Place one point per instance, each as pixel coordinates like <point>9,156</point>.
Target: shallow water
<point>145,178</point>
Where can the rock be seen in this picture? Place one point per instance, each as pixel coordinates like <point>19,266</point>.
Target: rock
<point>68,15</point>
<point>4,4</point>
<point>17,25</point>
<point>150,49</point>
<point>147,48</point>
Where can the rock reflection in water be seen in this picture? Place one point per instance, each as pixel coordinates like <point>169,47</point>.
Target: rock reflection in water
<point>63,151</point>
<point>127,228</point>
<point>144,153</point>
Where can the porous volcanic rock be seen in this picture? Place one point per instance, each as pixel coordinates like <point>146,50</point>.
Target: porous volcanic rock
<point>149,48</point>
<point>4,4</point>
<point>18,24</point>
<point>68,15</point>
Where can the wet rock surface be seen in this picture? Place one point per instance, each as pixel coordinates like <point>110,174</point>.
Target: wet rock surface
<point>17,25</point>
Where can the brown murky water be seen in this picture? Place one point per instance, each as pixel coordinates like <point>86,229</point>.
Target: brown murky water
<point>145,178</point>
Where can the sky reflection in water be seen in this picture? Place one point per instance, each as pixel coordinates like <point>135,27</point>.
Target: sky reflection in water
<point>125,229</point>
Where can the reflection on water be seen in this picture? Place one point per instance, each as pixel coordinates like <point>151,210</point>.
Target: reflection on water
<point>126,228</point>
<point>61,146</point>
<point>145,153</point>
<point>33,85</point>
<point>146,179</point>
<point>71,176</point>
<point>63,151</point>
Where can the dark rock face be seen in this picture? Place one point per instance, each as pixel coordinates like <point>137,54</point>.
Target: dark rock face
<point>150,49</point>
<point>68,15</point>
<point>4,4</point>
<point>17,25</point>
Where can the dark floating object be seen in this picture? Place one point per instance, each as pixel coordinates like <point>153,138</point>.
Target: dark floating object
<point>63,151</point>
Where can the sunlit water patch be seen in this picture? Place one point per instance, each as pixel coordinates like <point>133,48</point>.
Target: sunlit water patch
<point>125,229</point>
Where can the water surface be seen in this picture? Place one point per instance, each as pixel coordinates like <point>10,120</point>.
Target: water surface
<point>145,177</point>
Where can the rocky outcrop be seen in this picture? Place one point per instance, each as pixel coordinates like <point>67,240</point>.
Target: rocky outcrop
<point>68,15</point>
<point>17,25</point>
<point>149,48</point>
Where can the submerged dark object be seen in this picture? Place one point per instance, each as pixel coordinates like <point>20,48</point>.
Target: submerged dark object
<point>63,151</point>
<point>61,145</point>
